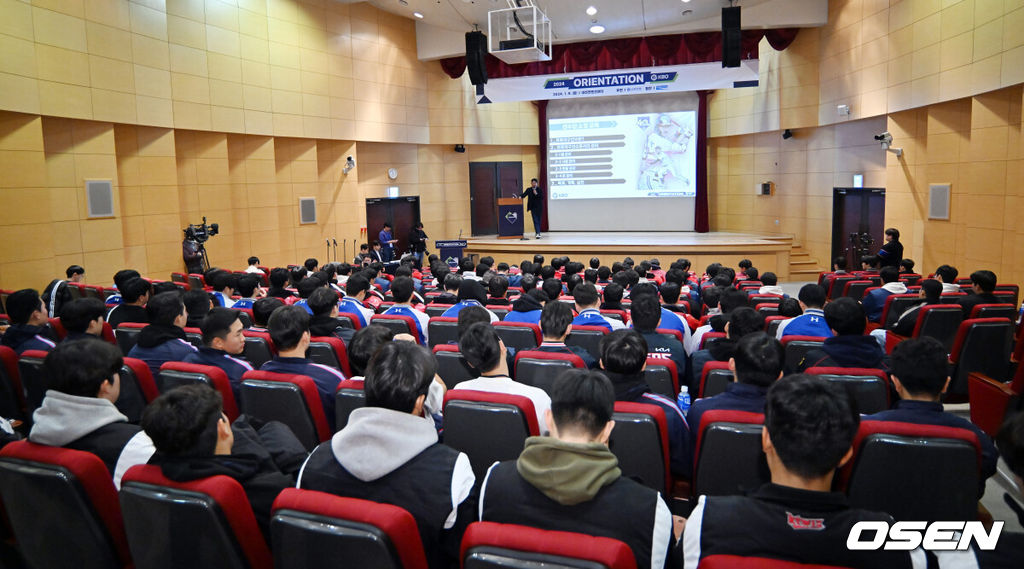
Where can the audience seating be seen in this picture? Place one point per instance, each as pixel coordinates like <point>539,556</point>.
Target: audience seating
<point>870,387</point>
<point>771,324</point>
<point>714,378</point>
<point>951,297</point>
<point>435,310</point>
<point>1008,311</point>
<point>346,320</point>
<point>259,348</point>
<point>709,337</point>
<point>500,311</point>
<point>12,394</point>
<point>839,285</point>
<point>672,333</point>
<point>58,329</point>
<point>176,374</point>
<point>910,279</point>
<point>309,528</point>
<point>291,399</point>
<point>349,397</point>
<point>754,299</point>
<point>30,369</point>
<point>991,400</point>
<point>329,351</point>
<point>245,315</point>
<point>856,289</point>
<point>194,336</point>
<point>896,305</point>
<point>887,451</point>
<point>196,281</point>
<point>588,338</point>
<point>452,366</point>
<point>981,345</point>
<point>62,507</point>
<point>1002,290</point>
<point>518,335</point>
<point>442,330</point>
<point>662,376</point>
<point>94,291</point>
<point>138,389</point>
<point>179,278</point>
<point>127,333</point>
<point>640,442</point>
<point>939,321</point>
<point>767,309</point>
<point>397,323</point>
<point>488,545</point>
<point>796,347</point>
<point>163,519</point>
<point>540,369</point>
<point>488,426</point>
<point>617,314</point>
<point>728,459</point>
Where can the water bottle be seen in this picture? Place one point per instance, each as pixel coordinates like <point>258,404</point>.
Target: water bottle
<point>684,399</point>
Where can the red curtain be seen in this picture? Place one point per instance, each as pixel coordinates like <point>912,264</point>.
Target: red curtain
<point>701,223</point>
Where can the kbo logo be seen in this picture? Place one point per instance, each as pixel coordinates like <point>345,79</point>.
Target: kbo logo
<point>934,536</point>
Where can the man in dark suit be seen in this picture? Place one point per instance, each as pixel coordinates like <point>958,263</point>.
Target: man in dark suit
<point>534,203</point>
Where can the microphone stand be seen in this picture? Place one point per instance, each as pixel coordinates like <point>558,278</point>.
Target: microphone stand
<point>328,250</point>
<point>335,249</point>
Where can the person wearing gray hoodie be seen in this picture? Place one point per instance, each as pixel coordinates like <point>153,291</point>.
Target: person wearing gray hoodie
<point>78,409</point>
<point>389,453</point>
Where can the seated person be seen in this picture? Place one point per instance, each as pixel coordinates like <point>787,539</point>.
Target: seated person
<point>811,321</point>
<point>324,303</point>
<point>611,297</point>
<point>838,269</point>
<point>289,330</point>
<point>261,311</point>
<point>135,293</point>
<point>194,440</point>
<point>756,363</point>
<point>849,347</point>
<point>452,282</point>
<point>253,267</point>
<point>930,293</point>
<point>623,359</point>
<point>907,266</point>
<point>356,290</point>
<point>742,322</point>
<point>570,481</point>
<point>224,285</point>
<point>645,315</point>
<point>163,340</point>
<point>402,290</point>
<point>790,308</point>
<point>983,283</point>
<point>669,320</point>
<point>552,287</point>
<point>587,302</point>
<point>486,353</point>
<point>528,307</point>
<point>770,285</point>
<point>223,342</point>
<point>729,299</point>
<point>947,275</point>
<point>78,412</point>
<point>365,343</point>
<point>198,304</point>
<point>306,287</point>
<point>498,290</point>
<point>389,453</point>
<point>808,433</point>
<point>57,294</point>
<point>874,301</point>
<point>83,318</point>
<point>471,293</point>
<point>278,282</point>
<point>249,289</point>
<point>555,325</point>
<point>120,277</point>
<point>920,374</point>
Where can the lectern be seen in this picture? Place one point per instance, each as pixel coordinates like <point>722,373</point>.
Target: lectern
<point>450,251</point>
<point>510,218</point>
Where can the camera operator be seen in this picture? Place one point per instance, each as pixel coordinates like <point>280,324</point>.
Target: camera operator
<point>192,253</point>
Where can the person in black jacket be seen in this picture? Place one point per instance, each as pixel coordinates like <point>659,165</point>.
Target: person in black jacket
<point>983,283</point>
<point>135,294</point>
<point>891,253</point>
<point>56,294</point>
<point>83,319</point>
<point>849,347</point>
<point>324,304</point>
<point>534,203</point>
<point>418,241</point>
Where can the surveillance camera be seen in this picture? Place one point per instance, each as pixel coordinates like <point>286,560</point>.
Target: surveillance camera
<point>885,138</point>
<point>349,164</point>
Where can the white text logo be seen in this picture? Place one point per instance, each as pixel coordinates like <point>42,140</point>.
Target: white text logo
<point>935,536</point>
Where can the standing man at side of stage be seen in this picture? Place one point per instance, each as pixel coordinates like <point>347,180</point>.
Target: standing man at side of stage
<point>387,242</point>
<point>534,203</point>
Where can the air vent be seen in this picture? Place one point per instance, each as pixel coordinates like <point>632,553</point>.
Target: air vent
<point>307,210</point>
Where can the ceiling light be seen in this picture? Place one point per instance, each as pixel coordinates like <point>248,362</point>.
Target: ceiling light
<point>597,29</point>
<point>591,10</point>
<point>687,12</point>
<point>686,1</point>
<point>418,15</point>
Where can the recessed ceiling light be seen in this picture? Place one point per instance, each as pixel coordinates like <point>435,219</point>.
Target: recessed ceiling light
<point>418,15</point>
<point>597,29</point>
<point>686,1</point>
<point>591,10</point>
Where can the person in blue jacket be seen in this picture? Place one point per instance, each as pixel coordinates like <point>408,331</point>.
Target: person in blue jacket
<point>223,342</point>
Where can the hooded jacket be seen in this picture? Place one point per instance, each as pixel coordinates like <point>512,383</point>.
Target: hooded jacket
<point>327,325</point>
<point>93,425</point>
<point>525,309</point>
<point>24,337</point>
<point>159,343</point>
<point>847,351</point>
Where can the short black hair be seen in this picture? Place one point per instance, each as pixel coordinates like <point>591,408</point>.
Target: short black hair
<point>769,279</point>
<point>889,274</point>
<point>74,270</point>
<point>529,282</point>
<point>197,302</point>
<point>922,366</point>
<point>590,275</point>
<point>80,312</point>
<point>623,351</point>
<point>894,233</point>
<point>472,290</point>
<point>322,301</point>
<point>452,281</point>
<point>670,292</point>
<point>134,289</point>
<point>263,308</point>
<point>481,346</point>
<point>645,312</point>
<point>585,294</point>
<point>398,374</point>
<point>21,304</point>
<point>907,264</point>
<point>471,315</point>
<point>222,279</point>
<point>752,273</point>
<point>287,325</point>
<point>555,319</point>
<point>247,285</point>
<point>217,324</point>
<point>582,401</point>
<point>839,263</point>
<point>165,286</point>
<point>612,293</point>
<point>482,268</point>
<point>311,264</point>
<point>985,280</point>
<point>503,266</point>
<point>356,284</point>
<point>123,276</point>
<point>279,277</point>
<point>603,273</point>
<point>163,308</point>
<point>553,288</point>
<point>745,264</point>
<point>1010,441</point>
<point>498,286</point>
<point>732,299</point>
<point>402,289</point>
<point>932,290</point>
<point>846,316</point>
<point>80,367</point>
<point>308,285</point>
<point>759,359</point>
<point>253,260</point>
<point>744,321</point>
<point>538,259</point>
<point>812,295</point>
<point>711,296</point>
<point>790,308</point>
<point>947,273</point>
<point>595,262</point>
<point>364,344</point>
<point>811,424</point>
<point>183,421</point>
<point>296,275</point>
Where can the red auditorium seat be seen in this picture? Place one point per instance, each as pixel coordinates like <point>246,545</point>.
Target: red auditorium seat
<point>895,305</point>
<point>540,369</point>
<point>259,348</point>
<point>215,508</point>
<point>796,348</point>
<point>771,324</point>
<point>488,545</point>
<point>58,328</point>
<point>588,338</point>
<point>12,394</point>
<point>728,459</point>
<point>518,335</point>
<point>397,323</point>
<point>348,321</point>
<point>329,351</point>
<point>349,397</point>
<point>30,369</point>
<point>291,399</point>
<point>435,310</point>
<point>981,345</point>
<point>767,309</point>
<point>52,492</point>
<point>672,333</point>
<point>441,330</point>
<point>939,321</point>
<point>839,285</point>
<point>197,282</point>
<point>452,366</point>
<point>714,378</point>
<point>754,299</point>
<point>869,387</point>
<point>488,426</point>
<point>708,337</point>
<point>127,333</point>
<point>991,399</point>
<point>662,376</point>
<point>308,526</point>
<point>856,289</point>
<point>138,389</point>
<point>175,374</point>
<point>640,442</point>
<point>618,314</point>
<point>1008,311</point>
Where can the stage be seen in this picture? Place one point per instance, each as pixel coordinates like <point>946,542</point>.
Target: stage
<point>768,252</point>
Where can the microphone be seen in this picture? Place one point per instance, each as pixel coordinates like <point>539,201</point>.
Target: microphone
<point>328,242</point>
<point>335,242</point>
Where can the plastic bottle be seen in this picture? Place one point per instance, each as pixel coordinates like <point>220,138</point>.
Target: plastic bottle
<point>684,399</point>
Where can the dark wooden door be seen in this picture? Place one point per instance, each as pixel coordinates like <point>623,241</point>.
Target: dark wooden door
<point>858,215</point>
<point>489,181</point>
<point>402,213</point>
<point>510,179</point>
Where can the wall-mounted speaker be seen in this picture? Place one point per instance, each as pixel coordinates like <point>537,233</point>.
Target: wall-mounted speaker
<point>307,210</point>
<point>732,37</point>
<point>99,194</point>
<point>476,50</point>
<point>938,201</point>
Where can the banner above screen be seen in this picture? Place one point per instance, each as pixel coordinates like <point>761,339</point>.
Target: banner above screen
<point>645,80</point>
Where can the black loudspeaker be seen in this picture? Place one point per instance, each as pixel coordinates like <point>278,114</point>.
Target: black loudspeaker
<point>476,49</point>
<point>732,37</point>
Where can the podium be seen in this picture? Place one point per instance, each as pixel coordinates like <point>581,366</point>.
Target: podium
<point>510,218</point>
<point>450,251</point>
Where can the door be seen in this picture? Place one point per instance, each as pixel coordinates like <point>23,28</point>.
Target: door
<point>402,213</point>
<point>858,215</point>
<point>487,182</point>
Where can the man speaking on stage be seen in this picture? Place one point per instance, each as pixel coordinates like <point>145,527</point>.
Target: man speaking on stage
<point>534,203</point>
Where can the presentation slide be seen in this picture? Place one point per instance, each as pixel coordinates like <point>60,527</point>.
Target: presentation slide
<point>622,156</point>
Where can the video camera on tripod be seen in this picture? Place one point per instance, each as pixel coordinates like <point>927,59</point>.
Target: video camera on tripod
<point>201,233</point>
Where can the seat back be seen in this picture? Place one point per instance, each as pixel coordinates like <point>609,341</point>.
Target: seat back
<point>30,368</point>
<point>291,399</point>
<point>855,289</point>
<point>839,285</point>
<point>348,398</point>
<point>259,348</point>
<point>12,394</point>
<point>52,493</point>
<point>540,369</point>
<point>710,337</point>
<point>94,291</point>
<point>714,378</point>
<point>194,336</point>
<point>671,333</point>
<point>127,334</point>
<point>771,324</point>
<point>662,376</point>
<point>329,351</point>
<point>728,459</point>
<point>500,311</point>
<point>755,299</point>
<point>518,335</point>
<point>452,366</point>
<point>179,278</point>
<point>308,527</point>
<point>162,519</point>
<point>869,387</point>
<point>138,389</point>
<point>174,374</point>
<point>58,328</point>
<point>620,315</point>
<point>436,310</point>
<point>796,347</point>
<point>993,311</point>
<point>991,399</point>
<point>981,345</point>
<point>640,442</point>
<point>939,321</point>
<point>487,426</point>
<point>885,451</point>
<point>895,305</point>
<point>488,545</point>
<point>196,281</point>
<point>767,309</point>
<point>442,330</point>
<point>588,338</point>
<point>397,323</point>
